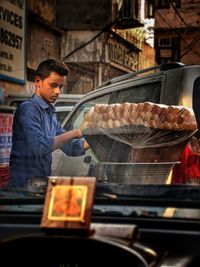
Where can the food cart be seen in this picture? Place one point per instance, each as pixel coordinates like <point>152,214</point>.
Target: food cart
<point>137,143</point>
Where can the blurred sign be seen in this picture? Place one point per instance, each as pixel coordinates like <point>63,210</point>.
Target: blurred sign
<point>121,55</point>
<point>6,121</point>
<point>133,36</point>
<point>12,41</point>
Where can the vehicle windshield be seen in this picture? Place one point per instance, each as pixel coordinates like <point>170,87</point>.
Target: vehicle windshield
<point>140,153</point>
<point>128,97</point>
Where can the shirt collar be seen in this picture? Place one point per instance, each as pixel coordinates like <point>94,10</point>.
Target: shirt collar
<point>43,104</point>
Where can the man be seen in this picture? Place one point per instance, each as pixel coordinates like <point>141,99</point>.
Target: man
<point>36,130</point>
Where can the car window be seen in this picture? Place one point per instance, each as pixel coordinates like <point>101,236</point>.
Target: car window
<point>146,92</point>
<point>110,158</point>
<point>140,162</point>
<point>63,165</point>
<point>61,115</point>
<point>78,116</point>
<point>63,111</point>
<point>16,103</point>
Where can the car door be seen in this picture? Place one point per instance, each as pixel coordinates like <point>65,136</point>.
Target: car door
<point>135,92</point>
<point>63,165</point>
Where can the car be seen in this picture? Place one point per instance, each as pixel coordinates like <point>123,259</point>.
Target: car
<point>135,208</point>
<point>169,84</point>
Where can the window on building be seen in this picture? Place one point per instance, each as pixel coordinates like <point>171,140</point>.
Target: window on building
<point>149,9</point>
<point>130,9</point>
<point>161,4</point>
<point>126,9</point>
<point>164,42</point>
<point>176,49</point>
<point>164,60</point>
<point>177,3</point>
<point>78,117</point>
<point>167,49</point>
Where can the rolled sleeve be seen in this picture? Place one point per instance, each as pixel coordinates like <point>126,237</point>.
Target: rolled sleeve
<point>38,143</point>
<point>74,148</point>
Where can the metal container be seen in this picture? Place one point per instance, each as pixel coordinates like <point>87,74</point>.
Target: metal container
<point>137,144</point>
<point>132,173</point>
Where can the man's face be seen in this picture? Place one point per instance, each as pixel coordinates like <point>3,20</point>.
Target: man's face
<point>50,88</point>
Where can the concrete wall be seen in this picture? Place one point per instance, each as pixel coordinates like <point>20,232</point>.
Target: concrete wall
<point>92,52</point>
<point>110,56</point>
<point>46,9</point>
<point>42,44</point>
<point>146,57</point>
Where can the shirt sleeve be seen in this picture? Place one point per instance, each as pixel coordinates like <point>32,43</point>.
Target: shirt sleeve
<point>29,120</point>
<point>74,148</point>
<point>59,129</point>
<point>71,148</point>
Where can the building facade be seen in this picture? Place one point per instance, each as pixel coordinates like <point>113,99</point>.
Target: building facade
<point>98,45</point>
<point>177,31</point>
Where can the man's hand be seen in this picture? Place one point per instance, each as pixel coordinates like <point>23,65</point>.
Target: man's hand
<point>86,145</point>
<point>59,140</point>
<point>77,133</point>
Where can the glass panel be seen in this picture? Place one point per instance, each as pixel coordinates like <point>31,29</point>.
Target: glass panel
<point>80,112</point>
<point>62,115</point>
<point>162,4</point>
<point>138,94</point>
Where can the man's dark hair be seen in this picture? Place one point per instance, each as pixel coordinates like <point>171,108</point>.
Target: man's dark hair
<point>46,67</point>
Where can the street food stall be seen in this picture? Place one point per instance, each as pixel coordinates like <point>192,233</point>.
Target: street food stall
<point>137,143</point>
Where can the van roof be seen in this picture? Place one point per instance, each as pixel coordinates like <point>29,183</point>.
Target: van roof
<point>162,67</point>
<point>12,98</point>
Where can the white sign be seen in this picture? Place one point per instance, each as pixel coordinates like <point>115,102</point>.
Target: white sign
<point>12,41</point>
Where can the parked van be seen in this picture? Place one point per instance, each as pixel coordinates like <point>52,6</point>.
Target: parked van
<point>64,104</point>
<point>170,84</point>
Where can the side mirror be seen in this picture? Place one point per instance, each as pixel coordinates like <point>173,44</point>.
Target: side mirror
<point>87,159</point>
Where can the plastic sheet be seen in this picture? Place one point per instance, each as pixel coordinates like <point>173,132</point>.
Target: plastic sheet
<point>150,132</point>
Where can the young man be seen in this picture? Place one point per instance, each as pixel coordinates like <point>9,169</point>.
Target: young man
<point>36,130</point>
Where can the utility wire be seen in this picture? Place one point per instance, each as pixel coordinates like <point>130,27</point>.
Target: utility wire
<point>190,46</point>
<point>181,18</point>
<point>108,27</point>
<point>175,32</point>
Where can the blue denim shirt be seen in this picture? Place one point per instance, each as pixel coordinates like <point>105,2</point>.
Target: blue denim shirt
<point>34,129</point>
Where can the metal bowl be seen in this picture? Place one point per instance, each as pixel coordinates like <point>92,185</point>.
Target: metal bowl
<point>132,173</point>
